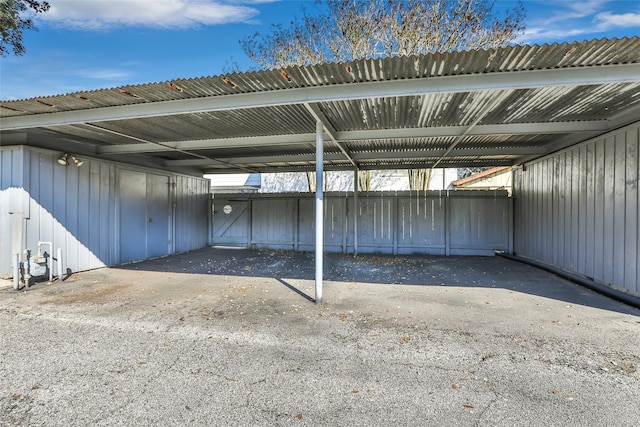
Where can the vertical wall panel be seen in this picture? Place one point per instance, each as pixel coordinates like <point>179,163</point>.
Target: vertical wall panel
<point>274,223</point>
<point>592,223</point>
<point>598,208</point>
<point>11,196</point>
<point>78,209</point>
<point>608,218</point>
<point>191,206</point>
<point>631,209</point>
<point>421,225</point>
<point>589,208</point>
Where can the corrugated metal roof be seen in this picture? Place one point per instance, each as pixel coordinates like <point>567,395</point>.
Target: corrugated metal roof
<point>498,122</point>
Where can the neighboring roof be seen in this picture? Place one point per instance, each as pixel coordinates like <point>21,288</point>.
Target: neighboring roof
<point>236,181</point>
<point>478,176</point>
<point>475,108</point>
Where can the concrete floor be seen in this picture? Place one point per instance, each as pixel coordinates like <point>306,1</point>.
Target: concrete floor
<point>230,337</point>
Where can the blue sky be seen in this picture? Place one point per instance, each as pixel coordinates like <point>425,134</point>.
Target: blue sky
<point>93,44</point>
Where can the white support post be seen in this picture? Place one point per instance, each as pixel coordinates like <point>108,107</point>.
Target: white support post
<point>16,271</point>
<point>319,210</point>
<point>59,263</point>
<point>356,187</point>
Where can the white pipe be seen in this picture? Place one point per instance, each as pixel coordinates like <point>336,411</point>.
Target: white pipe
<point>319,210</point>
<point>49,262</point>
<point>356,187</point>
<point>59,262</point>
<point>16,271</point>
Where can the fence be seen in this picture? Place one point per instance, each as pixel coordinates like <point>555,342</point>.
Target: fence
<point>431,222</point>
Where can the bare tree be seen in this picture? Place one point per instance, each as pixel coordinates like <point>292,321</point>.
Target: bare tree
<point>345,30</point>
<point>16,16</point>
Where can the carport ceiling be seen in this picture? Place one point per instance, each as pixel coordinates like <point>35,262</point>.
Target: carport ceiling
<point>472,108</point>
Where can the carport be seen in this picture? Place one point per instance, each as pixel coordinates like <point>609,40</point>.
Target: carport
<point>565,116</point>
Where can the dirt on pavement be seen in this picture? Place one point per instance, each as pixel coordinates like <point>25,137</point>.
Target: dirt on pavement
<point>232,337</point>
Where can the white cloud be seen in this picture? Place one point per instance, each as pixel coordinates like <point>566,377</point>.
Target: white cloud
<point>608,20</point>
<point>108,14</point>
<point>569,20</point>
<point>104,74</point>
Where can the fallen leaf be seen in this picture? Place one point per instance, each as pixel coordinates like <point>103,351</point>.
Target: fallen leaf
<point>299,416</point>
<point>355,391</point>
<point>468,406</point>
<point>454,386</point>
<point>16,397</point>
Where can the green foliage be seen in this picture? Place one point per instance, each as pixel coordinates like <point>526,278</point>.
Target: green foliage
<point>16,16</point>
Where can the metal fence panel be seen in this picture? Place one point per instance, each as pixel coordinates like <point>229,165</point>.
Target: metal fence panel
<point>435,223</point>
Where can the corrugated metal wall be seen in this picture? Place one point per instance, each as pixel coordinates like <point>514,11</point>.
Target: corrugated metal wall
<point>578,210</point>
<point>190,205</point>
<point>13,204</point>
<point>85,210</point>
<point>438,223</point>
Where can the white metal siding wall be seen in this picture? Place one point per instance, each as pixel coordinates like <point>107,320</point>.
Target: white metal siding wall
<point>437,223</point>
<point>578,210</point>
<point>191,212</point>
<point>63,205</point>
<point>13,203</point>
<point>78,209</point>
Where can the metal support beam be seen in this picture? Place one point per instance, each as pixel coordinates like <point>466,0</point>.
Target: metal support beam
<point>319,211</point>
<point>571,76</point>
<point>161,144</point>
<point>356,188</point>
<point>365,135</point>
<point>365,156</point>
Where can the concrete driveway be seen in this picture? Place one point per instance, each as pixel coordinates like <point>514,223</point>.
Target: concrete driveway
<point>229,337</point>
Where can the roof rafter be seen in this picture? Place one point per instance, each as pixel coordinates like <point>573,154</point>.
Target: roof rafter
<point>401,154</point>
<point>382,134</point>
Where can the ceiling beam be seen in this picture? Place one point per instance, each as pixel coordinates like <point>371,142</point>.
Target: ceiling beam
<point>349,167</point>
<point>207,144</point>
<point>574,76</point>
<point>363,157</point>
<point>364,135</point>
<point>160,144</point>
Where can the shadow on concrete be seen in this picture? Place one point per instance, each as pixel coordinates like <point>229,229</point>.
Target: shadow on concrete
<point>296,290</point>
<point>415,270</point>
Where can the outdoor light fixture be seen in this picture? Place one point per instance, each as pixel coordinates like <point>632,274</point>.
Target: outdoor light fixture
<point>76,161</point>
<point>64,160</point>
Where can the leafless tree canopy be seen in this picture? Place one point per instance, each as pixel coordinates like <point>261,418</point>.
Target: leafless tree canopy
<point>345,30</point>
<point>357,29</point>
